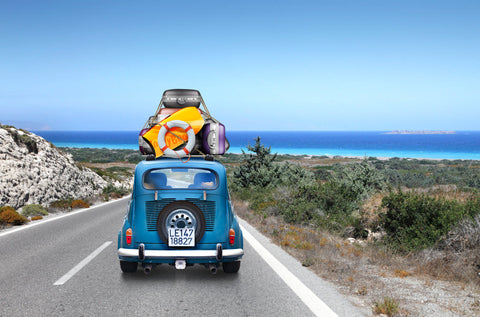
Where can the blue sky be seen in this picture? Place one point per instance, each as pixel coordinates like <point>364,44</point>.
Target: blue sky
<point>260,65</point>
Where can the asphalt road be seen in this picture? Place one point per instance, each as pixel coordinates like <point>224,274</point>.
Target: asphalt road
<point>36,277</point>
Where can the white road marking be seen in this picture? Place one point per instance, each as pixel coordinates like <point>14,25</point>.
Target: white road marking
<point>80,265</point>
<point>316,305</point>
<point>40,222</point>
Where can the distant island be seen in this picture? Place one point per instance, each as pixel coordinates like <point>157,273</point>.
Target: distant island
<point>419,132</point>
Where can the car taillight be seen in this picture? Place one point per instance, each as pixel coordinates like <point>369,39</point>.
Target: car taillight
<point>128,236</point>
<point>231,236</point>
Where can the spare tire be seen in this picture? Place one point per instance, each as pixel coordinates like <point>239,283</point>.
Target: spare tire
<point>181,214</point>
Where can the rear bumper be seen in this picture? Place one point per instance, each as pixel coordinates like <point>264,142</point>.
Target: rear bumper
<point>136,254</point>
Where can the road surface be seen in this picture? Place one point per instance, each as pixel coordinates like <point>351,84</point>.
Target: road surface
<point>67,266</point>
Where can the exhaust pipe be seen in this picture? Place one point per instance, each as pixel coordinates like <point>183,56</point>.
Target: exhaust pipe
<point>147,269</point>
<point>212,268</point>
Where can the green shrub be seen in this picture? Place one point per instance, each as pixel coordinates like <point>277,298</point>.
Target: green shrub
<point>34,210</point>
<point>328,205</point>
<point>257,169</point>
<point>92,155</point>
<point>361,179</point>
<point>29,143</point>
<point>63,204</point>
<point>262,201</point>
<point>388,307</point>
<point>260,170</point>
<point>22,138</point>
<point>414,222</point>
<point>111,191</point>
<point>9,215</point>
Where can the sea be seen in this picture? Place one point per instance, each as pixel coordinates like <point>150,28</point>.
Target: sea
<point>461,145</point>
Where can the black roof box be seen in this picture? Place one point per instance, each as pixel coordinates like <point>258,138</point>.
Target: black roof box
<point>181,98</point>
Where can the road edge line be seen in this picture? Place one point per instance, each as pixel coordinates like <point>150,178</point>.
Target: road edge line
<point>67,214</point>
<point>312,301</point>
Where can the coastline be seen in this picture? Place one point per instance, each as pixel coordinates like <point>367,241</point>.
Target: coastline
<point>463,145</point>
<point>332,153</point>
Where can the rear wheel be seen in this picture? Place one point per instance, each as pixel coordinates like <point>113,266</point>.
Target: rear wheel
<point>181,214</point>
<point>128,267</point>
<point>231,267</point>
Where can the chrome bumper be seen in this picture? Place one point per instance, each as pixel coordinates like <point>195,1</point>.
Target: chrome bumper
<point>181,254</point>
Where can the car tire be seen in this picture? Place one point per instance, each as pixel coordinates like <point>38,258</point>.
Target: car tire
<point>180,208</point>
<point>231,267</point>
<point>128,267</point>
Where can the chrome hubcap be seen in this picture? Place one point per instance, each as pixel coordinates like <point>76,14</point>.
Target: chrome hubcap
<point>181,218</point>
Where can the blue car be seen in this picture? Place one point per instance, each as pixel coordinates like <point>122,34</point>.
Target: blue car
<point>180,214</point>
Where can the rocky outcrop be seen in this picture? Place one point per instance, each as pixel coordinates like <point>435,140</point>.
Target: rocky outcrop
<point>33,171</point>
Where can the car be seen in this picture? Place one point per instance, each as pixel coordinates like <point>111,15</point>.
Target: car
<point>180,213</point>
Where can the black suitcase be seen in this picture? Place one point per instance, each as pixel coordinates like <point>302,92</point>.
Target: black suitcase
<point>181,98</point>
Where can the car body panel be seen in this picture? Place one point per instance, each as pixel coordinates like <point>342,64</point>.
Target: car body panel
<point>146,204</point>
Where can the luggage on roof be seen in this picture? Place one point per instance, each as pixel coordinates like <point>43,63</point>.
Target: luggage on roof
<point>182,107</point>
<point>181,98</point>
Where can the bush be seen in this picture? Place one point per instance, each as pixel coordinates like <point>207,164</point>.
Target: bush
<point>257,169</point>
<point>92,155</point>
<point>78,203</point>
<point>261,200</point>
<point>464,236</point>
<point>388,307</point>
<point>260,170</point>
<point>34,210</point>
<point>115,192</point>
<point>328,205</point>
<point>63,204</point>
<point>361,179</point>
<point>29,143</point>
<point>9,215</point>
<point>414,222</point>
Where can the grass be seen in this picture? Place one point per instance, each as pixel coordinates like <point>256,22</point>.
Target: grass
<point>388,306</point>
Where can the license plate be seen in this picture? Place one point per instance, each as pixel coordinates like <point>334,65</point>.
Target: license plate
<point>184,237</point>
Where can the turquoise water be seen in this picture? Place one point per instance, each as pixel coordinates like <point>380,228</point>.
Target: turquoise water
<point>462,145</point>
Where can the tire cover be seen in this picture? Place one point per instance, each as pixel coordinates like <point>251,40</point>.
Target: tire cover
<point>177,206</point>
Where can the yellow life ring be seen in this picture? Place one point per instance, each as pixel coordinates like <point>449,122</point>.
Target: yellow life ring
<point>166,128</point>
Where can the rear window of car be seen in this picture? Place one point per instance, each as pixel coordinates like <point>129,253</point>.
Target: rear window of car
<point>180,178</point>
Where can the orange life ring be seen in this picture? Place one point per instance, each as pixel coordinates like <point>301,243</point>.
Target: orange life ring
<point>166,128</point>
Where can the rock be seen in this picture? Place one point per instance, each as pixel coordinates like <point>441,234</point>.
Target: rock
<point>34,171</point>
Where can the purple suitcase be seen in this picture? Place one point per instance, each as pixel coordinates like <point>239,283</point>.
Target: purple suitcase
<point>143,145</point>
<point>214,138</point>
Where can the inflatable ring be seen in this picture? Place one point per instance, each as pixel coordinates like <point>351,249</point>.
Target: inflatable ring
<point>166,128</point>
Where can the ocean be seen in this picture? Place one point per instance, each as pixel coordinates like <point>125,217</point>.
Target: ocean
<point>462,145</point>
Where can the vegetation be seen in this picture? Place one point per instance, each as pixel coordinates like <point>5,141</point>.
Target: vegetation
<point>115,173</point>
<point>21,138</point>
<point>63,204</point>
<point>92,155</point>
<point>78,203</point>
<point>9,216</point>
<point>389,307</point>
<point>429,209</point>
<point>114,192</point>
<point>296,194</point>
<point>415,221</point>
<point>67,205</point>
<point>34,210</point>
